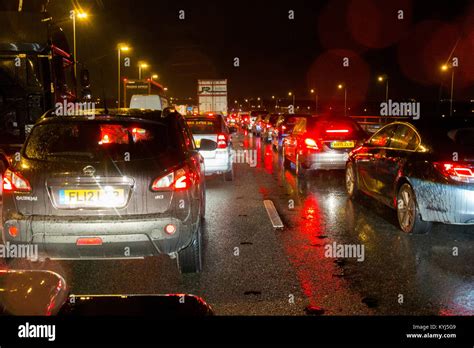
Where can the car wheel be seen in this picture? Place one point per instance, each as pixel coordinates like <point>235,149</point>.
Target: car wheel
<point>229,176</point>
<point>300,170</point>
<point>352,188</point>
<point>190,258</point>
<point>408,214</point>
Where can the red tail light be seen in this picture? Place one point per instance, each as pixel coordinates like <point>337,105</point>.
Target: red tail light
<point>89,241</point>
<point>338,131</point>
<point>456,171</point>
<point>283,127</point>
<point>13,181</point>
<point>311,144</point>
<point>221,141</point>
<point>177,180</point>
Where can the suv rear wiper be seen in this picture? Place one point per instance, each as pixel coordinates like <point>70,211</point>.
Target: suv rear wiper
<point>71,153</point>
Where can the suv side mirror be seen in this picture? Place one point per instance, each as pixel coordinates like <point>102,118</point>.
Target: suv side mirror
<point>207,145</point>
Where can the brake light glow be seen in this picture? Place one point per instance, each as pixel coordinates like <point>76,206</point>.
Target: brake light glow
<point>181,182</point>
<point>311,144</point>
<point>89,241</point>
<point>13,231</point>
<point>170,229</point>
<point>13,181</point>
<point>221,141</point>
<point>177,180</point>
<point>456,171</point>
<point>337,130</point>
<point>283,127</point>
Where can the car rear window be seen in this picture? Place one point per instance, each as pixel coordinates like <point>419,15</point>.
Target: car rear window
<point>97,140</point>
<point>202,126</point>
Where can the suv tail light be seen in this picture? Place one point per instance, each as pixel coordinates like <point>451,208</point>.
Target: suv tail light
<point>14,181</point>
<point>311,144</point>
<point>177,180</point>
<point>221,141</point>
<point>456,171</point>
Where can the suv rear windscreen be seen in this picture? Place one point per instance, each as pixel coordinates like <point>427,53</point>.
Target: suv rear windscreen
<point>97,140</point>
<point>203,126</point>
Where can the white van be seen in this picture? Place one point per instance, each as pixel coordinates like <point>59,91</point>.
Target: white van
<point>148,101</point>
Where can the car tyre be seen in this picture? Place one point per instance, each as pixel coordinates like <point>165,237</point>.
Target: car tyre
<point>409,218</point>
<point>352,188</point>
<point>190,258</point>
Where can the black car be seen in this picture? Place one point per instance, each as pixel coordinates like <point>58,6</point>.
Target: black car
<point>120,184</point>
<point>423,170</point>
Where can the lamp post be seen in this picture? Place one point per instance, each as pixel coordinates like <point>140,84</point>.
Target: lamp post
<point>446,67</point>
<point>140,67</point>
<point>73,15</point>
<point>341,86</point>
<point>292,94</point>
<point>383,78</point>
<point>120,48</point>
<point>312,91</point>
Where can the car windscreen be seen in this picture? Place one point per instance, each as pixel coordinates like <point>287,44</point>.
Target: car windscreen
<point>203,126</point>
<point>93,140</point>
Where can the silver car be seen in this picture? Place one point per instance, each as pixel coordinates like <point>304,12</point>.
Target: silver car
<point>213,127</point>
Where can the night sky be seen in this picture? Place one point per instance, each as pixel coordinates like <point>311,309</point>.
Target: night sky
<point>278,54</point>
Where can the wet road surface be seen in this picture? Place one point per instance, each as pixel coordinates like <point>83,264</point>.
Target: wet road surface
<point>250,268</point>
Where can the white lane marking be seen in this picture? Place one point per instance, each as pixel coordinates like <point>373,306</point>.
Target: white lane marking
<point>273,214</point>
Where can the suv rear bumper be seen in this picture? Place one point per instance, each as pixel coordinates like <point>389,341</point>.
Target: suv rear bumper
<point>122,238</point>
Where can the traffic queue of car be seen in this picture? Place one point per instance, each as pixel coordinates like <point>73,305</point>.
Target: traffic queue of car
<point>131,183</point>
<point>423,170</point>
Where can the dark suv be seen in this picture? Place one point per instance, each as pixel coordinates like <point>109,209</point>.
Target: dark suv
<point>121,184</point>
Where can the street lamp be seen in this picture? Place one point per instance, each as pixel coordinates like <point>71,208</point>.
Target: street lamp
<point>341,86</point>
<point>73,15</point>
<point>446,67</point>
<point>154,77</point>
<point>383,78</point>
<point>120,48</point>
<point>292,94</point>
<point>312,91</point>
<point>140,67</point>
